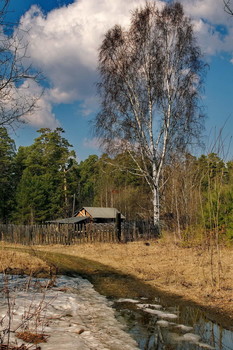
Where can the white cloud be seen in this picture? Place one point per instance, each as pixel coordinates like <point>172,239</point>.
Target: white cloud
<point>64,44</point>
<point>42,116</point>
<point>19,100</point>
<point>212,25</point>
<point>212,10</point>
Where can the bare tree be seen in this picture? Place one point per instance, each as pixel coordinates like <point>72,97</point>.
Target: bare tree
<point>151,78</point>
<point>228,6</point>
<point>16,75</point>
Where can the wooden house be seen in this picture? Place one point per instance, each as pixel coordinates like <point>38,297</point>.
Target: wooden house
<point>72,220</point>
<point>99,214</point>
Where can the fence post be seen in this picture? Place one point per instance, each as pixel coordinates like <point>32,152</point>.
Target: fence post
<point>118,227</point>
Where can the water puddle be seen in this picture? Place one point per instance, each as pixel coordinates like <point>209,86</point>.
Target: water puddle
<point>164,327</point>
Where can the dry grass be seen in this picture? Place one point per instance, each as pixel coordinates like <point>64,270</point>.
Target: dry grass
<point>21,263</point>
<point>189,272</point>
<point>33,338</point>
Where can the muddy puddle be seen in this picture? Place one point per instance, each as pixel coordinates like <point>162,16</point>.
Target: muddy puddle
<point>170,327</point>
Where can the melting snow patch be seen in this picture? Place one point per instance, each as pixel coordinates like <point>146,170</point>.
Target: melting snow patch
<point>72,314</point>
<point>144,306</point>
<point>163,323</point>
<point>205,346</point>
<point>184,328</point>
<point>161,314</point>
<point>122,300</point>
<point>168,315</point>
<point>188,337</point>
<point>193,338</point>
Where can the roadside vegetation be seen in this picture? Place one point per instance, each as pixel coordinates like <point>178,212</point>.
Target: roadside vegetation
<point>189,272</point>
<point>13,262</point>
<point>162,266</point>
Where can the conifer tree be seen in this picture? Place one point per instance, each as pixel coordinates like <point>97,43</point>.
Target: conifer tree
<point>46,186</point>
<point>7,169</point>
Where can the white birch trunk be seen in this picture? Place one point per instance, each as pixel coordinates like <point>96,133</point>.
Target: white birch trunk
<point>156,205</point>
<point>156,202</point>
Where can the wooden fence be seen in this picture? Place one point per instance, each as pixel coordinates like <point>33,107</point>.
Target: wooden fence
<point>75,233</point>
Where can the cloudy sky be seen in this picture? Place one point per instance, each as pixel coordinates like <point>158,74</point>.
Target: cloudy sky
<point>64,36</point>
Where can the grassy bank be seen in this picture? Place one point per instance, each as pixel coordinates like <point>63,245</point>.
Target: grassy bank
<point>17,262</point>
<point>200,276</point>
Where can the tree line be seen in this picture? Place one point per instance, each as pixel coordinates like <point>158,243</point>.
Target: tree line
<point>45,181</point>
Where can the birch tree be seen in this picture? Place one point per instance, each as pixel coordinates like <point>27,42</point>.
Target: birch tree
<point>228,6</point>
<point>7,170</point>
<point>150,81</point>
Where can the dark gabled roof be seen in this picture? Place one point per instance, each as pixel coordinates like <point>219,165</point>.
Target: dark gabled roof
<point>102,213</point>
<point>72,220</point>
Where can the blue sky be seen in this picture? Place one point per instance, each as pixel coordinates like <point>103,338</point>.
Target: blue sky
<point>63,40</point>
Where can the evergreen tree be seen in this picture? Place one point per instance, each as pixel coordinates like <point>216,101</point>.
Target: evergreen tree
<point>88,176</point>
<point>7,153</point>
<point>45,188</point>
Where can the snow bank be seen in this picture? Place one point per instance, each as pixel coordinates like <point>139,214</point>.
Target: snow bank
<point>71,313</point>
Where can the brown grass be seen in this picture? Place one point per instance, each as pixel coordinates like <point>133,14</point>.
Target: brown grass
<point>21,263</point>
<point>189,272</point>
<point>33,338</point>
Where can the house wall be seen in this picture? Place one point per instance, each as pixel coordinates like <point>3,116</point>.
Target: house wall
<point>83,212</point>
